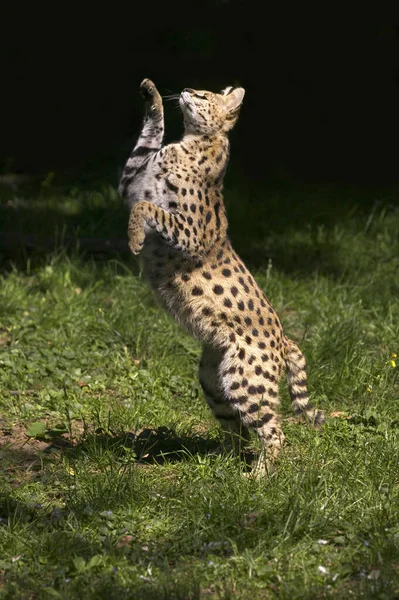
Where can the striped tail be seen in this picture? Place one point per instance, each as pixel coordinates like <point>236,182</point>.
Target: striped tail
<point>297,385</point>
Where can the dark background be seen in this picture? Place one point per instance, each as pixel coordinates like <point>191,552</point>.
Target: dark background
<point>322,87</point>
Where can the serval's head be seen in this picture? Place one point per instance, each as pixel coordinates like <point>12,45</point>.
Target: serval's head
<point>206,113</point>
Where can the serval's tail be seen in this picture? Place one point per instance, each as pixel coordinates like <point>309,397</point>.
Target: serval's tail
<point>297,384</point>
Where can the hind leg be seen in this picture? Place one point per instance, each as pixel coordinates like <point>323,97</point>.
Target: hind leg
<point>271,438</point>
<point>251,385</point>
<point>236,435</point>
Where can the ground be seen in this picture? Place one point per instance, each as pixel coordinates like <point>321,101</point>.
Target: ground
<point>109,485</point>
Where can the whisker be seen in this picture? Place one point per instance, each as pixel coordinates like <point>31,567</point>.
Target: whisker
<point>171,97</point>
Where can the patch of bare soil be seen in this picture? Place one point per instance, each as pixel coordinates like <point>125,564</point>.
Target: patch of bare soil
<point>22,457</point>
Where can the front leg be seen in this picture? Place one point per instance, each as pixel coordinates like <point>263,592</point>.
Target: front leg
<point>172,227</point>
<point>151,136</point>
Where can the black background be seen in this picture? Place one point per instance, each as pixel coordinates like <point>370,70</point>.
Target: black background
<point>322,88</point>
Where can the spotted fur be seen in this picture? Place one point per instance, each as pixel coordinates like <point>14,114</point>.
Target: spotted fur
<point>178,223</point>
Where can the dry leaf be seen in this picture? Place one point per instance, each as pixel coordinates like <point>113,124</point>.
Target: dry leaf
<point>339,415</point>
<point>125,540</point>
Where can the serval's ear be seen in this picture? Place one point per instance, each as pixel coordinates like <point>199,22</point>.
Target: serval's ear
<point>227,90</point>
<point>234,99</point>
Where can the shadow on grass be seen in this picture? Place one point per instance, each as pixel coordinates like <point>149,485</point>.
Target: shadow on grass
<point>150,446</point>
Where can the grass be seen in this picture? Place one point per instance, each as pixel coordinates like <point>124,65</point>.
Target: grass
<point>109,487</point>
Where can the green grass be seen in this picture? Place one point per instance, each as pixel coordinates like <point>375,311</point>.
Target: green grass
<point>130,502</point>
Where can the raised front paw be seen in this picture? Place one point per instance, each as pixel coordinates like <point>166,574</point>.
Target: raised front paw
<point>136,246</point>
<point>136,241</point>
<point>136,234</point>
<point>147,89</point>
<point>152,97</point>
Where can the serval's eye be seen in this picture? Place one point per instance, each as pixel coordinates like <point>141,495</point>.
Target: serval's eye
<point>200,95</point>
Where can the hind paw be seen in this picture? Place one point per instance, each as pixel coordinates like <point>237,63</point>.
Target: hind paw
<point>318,418</point>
